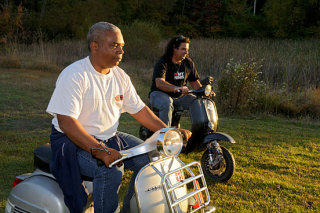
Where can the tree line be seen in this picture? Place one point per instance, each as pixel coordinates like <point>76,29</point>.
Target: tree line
<point>28,20</point>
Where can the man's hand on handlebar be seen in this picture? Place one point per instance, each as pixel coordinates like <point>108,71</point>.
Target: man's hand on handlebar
<point>186,134</point>
<point>184,90</point>
<point>106,155</point>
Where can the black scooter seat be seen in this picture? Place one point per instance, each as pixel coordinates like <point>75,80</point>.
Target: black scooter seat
<point>42,157</point>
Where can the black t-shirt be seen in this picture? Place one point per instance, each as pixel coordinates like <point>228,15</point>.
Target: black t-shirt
<point>176,74</point>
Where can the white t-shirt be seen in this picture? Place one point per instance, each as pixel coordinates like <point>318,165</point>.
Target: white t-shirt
<point>96,100</point>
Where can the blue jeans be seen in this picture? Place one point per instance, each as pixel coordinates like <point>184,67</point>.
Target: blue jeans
<point>165,104</point>
<point>106,181</point>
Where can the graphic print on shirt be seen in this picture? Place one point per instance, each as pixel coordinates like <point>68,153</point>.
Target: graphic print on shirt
<point>178,75</point>
<point>119,98</point>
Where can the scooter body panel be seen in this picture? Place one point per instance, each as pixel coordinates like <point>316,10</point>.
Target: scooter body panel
<point>149,189</point>
<point>204,116</point>
<point>38,194</point>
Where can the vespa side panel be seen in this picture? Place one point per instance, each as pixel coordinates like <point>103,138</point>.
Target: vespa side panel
<point>204,116</point>
<point>38,194</point>
<point>149,191</point>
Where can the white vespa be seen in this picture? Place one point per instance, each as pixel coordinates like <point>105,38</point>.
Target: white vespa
<point>166,184</point>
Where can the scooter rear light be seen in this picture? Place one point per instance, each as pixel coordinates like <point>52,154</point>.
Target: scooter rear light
<point>16,182</point>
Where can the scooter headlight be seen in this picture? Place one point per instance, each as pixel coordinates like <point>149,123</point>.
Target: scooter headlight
<point>172,142</point>
<point>207,90</point>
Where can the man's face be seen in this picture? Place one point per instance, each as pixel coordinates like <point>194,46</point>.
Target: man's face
<point>181,52</point>
<point>108,53</point>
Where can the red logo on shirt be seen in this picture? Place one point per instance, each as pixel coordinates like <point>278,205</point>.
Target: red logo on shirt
<point>119,97</point>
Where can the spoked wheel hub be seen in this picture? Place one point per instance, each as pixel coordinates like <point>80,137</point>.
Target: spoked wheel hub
<point>216,167</point>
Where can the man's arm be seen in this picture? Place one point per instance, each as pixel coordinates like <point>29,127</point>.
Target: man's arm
<point>79,136</point>
<point>148,119</point>
<point>165,86</point>
<point>76,133</point>
<point>195,84</point>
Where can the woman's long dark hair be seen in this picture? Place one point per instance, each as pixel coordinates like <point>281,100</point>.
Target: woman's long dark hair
<point>174,43</point>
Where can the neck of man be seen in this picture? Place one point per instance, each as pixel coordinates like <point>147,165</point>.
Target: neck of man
<point>104,71</point>
<point>175,60</point>
<point>98,67</point>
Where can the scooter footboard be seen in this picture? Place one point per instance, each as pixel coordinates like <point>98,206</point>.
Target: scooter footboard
<point>198,192</point>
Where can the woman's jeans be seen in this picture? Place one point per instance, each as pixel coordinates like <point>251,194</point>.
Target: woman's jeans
<point>165,104</point>
<point>106,181</point>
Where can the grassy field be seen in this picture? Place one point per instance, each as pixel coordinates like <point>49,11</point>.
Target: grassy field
<point>278,160</point>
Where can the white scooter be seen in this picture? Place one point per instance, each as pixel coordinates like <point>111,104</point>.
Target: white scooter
<point>166,184</point>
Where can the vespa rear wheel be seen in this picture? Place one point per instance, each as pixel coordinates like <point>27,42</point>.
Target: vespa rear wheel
<point>221,172</point>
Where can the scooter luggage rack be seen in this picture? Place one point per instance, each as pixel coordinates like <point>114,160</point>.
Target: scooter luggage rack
<point>168,188</point>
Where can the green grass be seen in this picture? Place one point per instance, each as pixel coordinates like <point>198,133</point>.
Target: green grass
<point>278,159</point>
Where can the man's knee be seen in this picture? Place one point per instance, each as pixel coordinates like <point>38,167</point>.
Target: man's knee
<point>161,100</point>
<point>163,105</point>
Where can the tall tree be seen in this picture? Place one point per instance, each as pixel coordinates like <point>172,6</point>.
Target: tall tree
<point>293,18</point>
<point>197,17</point>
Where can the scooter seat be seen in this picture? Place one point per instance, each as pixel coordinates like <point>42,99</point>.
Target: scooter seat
<point>42,157</point>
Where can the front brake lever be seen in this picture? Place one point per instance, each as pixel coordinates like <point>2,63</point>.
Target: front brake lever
<point>117,161</point>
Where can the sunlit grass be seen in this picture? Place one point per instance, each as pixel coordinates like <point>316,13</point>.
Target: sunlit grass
<point>277,159</point>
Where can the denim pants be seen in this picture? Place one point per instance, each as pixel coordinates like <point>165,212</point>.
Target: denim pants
<point>106,181</point>
<point>165,104</point>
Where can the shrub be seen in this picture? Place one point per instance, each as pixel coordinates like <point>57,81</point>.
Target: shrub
<point>142,40</point>
<point>293,104</point>
<point>10,22</point>
<point>239,87</point>
<point>313,95</point>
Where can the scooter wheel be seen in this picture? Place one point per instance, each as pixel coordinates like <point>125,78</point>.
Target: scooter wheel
<point>221,172</point>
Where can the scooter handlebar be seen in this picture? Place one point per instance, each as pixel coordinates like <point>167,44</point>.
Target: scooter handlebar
<point>137,150</point>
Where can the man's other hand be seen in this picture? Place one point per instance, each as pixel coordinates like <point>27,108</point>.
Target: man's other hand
<point>186,134</point>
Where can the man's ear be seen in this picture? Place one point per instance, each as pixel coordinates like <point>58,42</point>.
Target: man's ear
<point>94,46</point>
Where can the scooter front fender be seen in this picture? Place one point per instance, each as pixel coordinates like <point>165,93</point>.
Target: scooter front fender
<point>219,136</point>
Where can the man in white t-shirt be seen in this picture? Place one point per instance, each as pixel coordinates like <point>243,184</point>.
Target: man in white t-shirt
<point>89,97</point>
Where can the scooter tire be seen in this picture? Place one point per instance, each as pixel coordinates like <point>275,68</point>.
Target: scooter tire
<point>227,173</point>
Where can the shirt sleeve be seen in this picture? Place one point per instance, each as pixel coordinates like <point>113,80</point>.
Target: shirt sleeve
<point>160,70</point>
<point>132,102</point>
<point>67,96</point>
